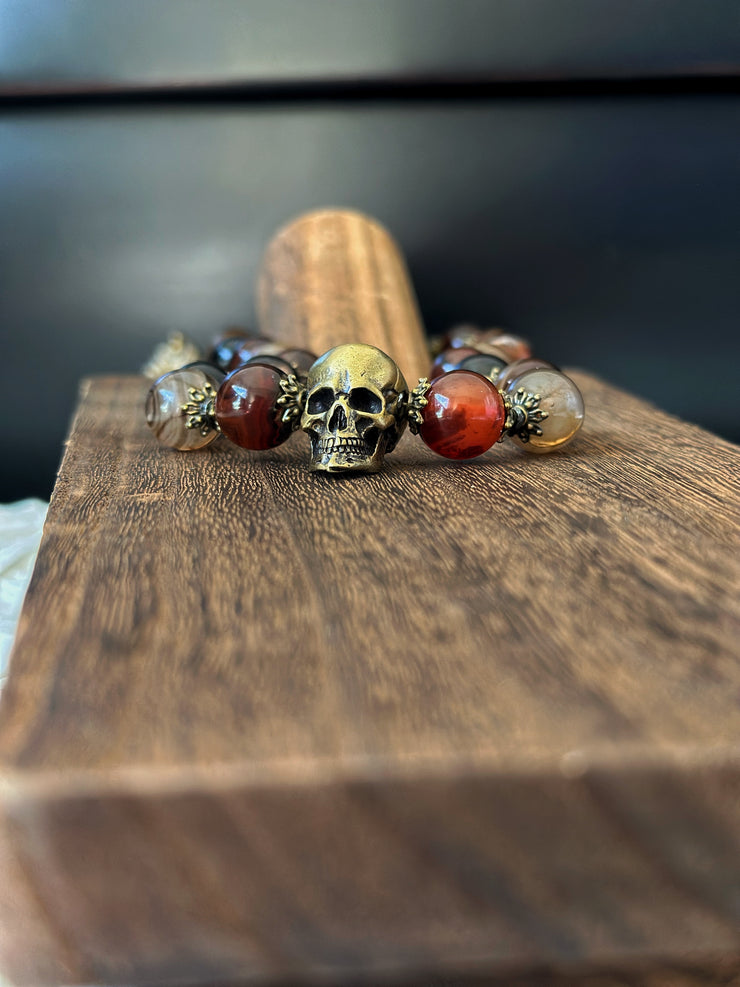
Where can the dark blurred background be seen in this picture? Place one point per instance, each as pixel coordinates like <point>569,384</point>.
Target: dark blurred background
<point>567,168</point>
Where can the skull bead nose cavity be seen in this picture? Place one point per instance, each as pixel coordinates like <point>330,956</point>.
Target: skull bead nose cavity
<point>338,419</point>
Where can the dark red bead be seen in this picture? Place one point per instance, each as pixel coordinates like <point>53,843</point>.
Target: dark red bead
<point>246,407</point>
<point>464,415</point>
<point>226,344</point>
<point>255,347</point>
<point>450,359</point>
<point>271,361</point>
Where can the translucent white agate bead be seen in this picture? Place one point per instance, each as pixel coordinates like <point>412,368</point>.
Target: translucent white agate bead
<point>519,367</point>
<point>559,398</point>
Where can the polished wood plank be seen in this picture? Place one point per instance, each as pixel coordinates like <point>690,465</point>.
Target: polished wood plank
<point>465,719</point>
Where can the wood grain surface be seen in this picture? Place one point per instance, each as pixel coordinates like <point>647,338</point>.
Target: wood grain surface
<point>336,276</point>
<point>450,720</point>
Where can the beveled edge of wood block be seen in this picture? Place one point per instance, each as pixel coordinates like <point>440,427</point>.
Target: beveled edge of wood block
<point>283,773</point>
<point>389,816</point>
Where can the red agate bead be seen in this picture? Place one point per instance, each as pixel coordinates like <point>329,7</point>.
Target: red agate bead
<point>246,407</point>
<point>464,415</point>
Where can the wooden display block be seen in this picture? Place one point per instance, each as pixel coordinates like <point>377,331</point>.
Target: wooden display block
<point>263,725</point>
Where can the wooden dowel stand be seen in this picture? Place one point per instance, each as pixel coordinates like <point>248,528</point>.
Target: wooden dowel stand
<point>334,277</point>
<point>267,726</point>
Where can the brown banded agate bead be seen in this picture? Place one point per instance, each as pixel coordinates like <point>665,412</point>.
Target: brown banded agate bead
<point>464,415</point>
<point>246,407</point>
<point>177,396</point>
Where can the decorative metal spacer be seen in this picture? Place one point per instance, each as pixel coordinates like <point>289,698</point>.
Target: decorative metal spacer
<point>509,420</point>
<point>200,409</point>
<point>292,400</point>
<point>417,402</point>
<point>523,414</point>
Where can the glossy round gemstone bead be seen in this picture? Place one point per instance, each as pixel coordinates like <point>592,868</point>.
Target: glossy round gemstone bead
<point>464,415</point>
<point>450,359</point>
<point>520,367</point>
<point>247,410</point>
<point>490,335</point>
<point>465,334</point>
<point>490,350</point>
<point>300,360</point>
<point>173,400</point>
<point>226,344</point>
<point>271,361</point>
<point>562,401</point>
<point>255,347</point>
<point>513,347</point>
<point>485,364</point>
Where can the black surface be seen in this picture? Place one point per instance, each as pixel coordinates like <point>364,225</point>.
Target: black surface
<point>608,230</point>
<point>50,43</point>
<point>567,168</point>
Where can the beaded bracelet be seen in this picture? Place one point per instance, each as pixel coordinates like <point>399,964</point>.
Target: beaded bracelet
<point>354,403</point>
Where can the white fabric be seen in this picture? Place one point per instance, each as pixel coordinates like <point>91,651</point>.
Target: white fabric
<point>20,533</point>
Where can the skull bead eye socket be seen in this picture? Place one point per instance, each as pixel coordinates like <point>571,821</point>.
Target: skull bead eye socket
<point>361,399</point>
<point>320,401</point>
